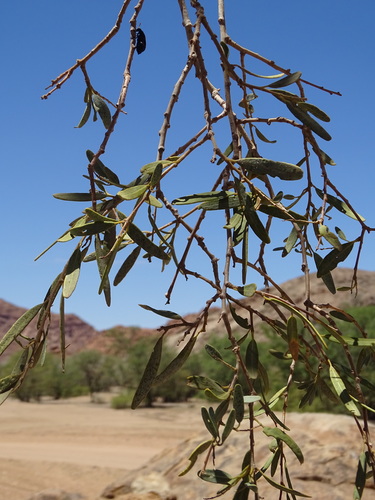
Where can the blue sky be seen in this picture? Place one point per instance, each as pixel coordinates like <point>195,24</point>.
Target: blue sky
<point>42,153</point>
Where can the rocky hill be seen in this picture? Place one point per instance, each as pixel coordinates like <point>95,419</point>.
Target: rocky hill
<point>80,335</point>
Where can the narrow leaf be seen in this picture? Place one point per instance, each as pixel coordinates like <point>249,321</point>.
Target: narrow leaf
<point>138,237</point>
<point>100,106</point>
<point>149,374</point>
<point>215,476</point>
<point>342,392</point>
<point>127,265</point>
<point>231,420</point>
<point>72,273</point>
<point>263,166</point>
<point>78,196</point>
<point>287,80</point>
<point>252,359</point>
<point>262,137</point>
<point>360,479</point>
<point>333,258</point>
<point>277,433</point>
<point>326,278</point>
<point>314,110</point>
<point>161,312</point>
<point>18,327</point>
<point>209,423</point>
<point>292,335</point>
<point>283,488</point>
<point>132,193</point>
<point>340,205</point>
<point>238,402</point>
<point>85,116</point>
<point>201,448</point>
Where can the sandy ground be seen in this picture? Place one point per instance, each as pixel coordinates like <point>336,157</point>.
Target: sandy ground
<point>79,446</point>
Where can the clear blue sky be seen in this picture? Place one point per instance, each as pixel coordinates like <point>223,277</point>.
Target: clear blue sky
<point>332,43</point>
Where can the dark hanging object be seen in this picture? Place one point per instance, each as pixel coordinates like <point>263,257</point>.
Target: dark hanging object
<point>140,45</point>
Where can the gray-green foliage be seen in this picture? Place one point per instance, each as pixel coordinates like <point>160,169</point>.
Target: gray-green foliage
<point>254,190</point>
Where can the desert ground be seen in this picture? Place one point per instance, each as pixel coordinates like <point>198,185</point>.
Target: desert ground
<point>79,446</point>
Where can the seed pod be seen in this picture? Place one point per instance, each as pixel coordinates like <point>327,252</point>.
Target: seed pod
<point>263,166</point>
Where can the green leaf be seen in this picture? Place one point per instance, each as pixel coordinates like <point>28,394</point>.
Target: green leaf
<point>149,374</point>
<point>314,110</point>
<point>104,262</point>
<point>252,359</point>
<point>8,382</point>
<point>138,237</point>
<point>287,80</point>
<point>78,196</point>
<point>340,205</point>
<point>342,392</point>
<point>101,170</point>
<point>72,273</point>
<point>220,203</point>
<point>292,335</point>
<point>161,312</point>
<point>202,383</point>
<point>132,193</point>
<point>290,242</point>
<point>127,265</point>
<point>283,488</point>
<point>150,168</point>
<point>227,152</point>
<point>247,290</point>
<point>201,448</point>
<point>214,353</point>
<point>263,166</point>
<point>176,363</point>
<point>215,476</point>
<point>277,433</point>
<point>329,236</point>
<point>333,258</point>
<point>101,107</point>
<point>242,322</point>
<point>231,420</point>
<point>307,120</point>
<point>97,217</point>
<point>85,116</point>
<point>156,175</point>
<point>326,278</point>
<point>151,200</point>
<point>238,402</point>
<point>262,137</point>
<point>18,327</point>
<point>209,423</point>
<point>251,399</point>
<point>201,197</point>
<point>254,221</point>
<point>91,228</point>
<point>360,479</point>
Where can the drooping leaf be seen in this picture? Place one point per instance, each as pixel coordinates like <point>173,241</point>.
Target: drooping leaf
<point>277,433</point>
<point>102,170</point>
<point>281,487</point>
<point>333,259</point>
<point>221,203</point>
<point>127,265</point>
<point>340,205</point>
<point>201,448</point>
<point>287,80</point>
<point>254,221</point>
<point>149,246</point>
<point>149,374</point>
<point>308,120</point>
<point>242,322</point>
<point>18,327</point>
<point>229,424</point>
<point>177,362</point>
<point>262,137</point>
<point>103,261</point>
<point>292,335</point>
<point>201,197</point>
<point>238,402</point>
<point>252,359</point>
<point>360,479</point>
<point>100,106</point>
<point>156,175</point>
<point>227,152</point>
<point>314,110</point>
<point>326,278</point>
<point>263,166</point>
<point>342,392</point>
<point>210,423</point>
<point>72,273</point>
<point>91,228</point>
<point>290,242</point>
<point>85,116</point>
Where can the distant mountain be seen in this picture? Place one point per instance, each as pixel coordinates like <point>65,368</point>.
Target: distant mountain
<point>80,335</point>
